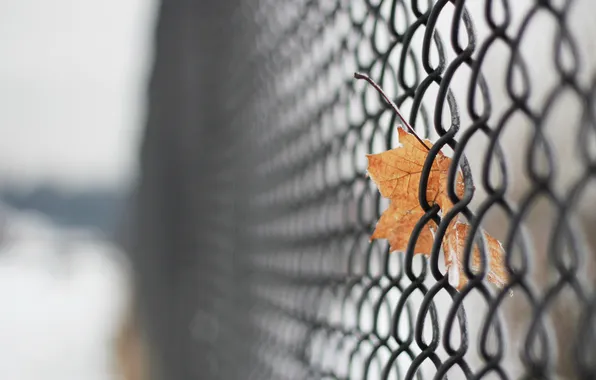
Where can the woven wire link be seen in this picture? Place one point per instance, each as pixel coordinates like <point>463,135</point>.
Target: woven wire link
<point>284,270</point>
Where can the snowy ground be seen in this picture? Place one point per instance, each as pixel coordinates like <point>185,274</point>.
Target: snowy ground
<point>63,295</point>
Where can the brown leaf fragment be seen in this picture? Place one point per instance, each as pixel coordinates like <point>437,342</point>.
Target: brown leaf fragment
<point>396,225</point>
<point>397,174</point>
<point>453,247</point>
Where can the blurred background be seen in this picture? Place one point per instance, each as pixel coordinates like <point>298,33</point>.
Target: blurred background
<point>73,78</point>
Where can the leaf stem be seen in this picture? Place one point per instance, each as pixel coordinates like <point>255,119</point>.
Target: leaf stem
<point>392,104</point>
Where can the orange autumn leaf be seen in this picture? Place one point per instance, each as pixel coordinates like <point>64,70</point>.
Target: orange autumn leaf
<point>397,174</point>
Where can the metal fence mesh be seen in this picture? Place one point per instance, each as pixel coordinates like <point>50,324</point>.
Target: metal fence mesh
<point>255,211</point>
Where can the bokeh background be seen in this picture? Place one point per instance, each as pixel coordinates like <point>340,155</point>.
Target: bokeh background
<point>73,77</point>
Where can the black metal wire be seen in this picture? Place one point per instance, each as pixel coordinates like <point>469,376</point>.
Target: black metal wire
<point>258,171</point>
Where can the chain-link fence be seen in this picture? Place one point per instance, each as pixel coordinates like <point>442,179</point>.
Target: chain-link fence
<point>255,211</point>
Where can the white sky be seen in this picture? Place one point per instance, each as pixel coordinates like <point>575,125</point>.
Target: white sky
<point>72,82</point>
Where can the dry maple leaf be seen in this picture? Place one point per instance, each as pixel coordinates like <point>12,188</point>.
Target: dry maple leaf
<point>397,174</point>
